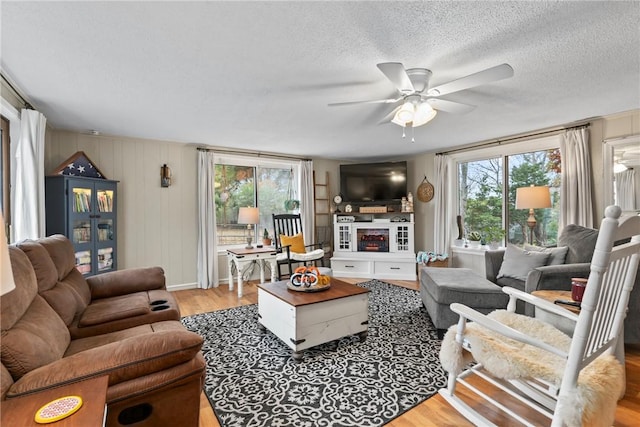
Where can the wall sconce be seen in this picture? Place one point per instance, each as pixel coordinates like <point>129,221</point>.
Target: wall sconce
<point>165,175</point>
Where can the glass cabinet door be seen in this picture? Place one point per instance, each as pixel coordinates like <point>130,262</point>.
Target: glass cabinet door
<point>105,230</point>
<point>83,261</point>
<point>105,259</point>
<point>81,201</point>
<point>81,231</point>
<point>105,200</point>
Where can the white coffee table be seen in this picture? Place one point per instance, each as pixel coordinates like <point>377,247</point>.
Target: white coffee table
<point>306,319</point>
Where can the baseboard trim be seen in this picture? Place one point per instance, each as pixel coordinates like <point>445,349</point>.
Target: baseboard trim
<point>182,286</point>
<point>194,285</point>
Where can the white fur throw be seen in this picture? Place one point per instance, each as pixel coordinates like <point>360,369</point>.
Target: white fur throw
<point>599,384</point>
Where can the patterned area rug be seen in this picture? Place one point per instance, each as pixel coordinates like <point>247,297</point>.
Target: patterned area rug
<point>252,379</point>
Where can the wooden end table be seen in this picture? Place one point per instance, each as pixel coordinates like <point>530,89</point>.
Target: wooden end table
<point>242,256</point>
<point>307,319</point>
<point>20,411</point>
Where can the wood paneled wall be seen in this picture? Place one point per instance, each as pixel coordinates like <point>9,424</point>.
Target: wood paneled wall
<point>156,226</point>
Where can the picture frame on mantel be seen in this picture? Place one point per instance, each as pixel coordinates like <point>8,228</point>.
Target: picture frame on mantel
<point>80,165</point>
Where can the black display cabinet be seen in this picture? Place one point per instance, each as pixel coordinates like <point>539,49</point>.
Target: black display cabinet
<point>84,210</point>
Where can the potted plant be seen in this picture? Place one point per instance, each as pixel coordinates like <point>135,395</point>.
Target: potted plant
<point>493,236</point>
<point>266,239</point>
<point>474,239</point>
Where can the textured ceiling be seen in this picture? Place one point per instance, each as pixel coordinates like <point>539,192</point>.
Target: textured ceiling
<point>259,75</point>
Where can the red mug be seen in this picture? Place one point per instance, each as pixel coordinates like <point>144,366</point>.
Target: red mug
<point>578,286</point>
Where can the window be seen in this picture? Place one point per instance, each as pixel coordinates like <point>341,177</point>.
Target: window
<point>240,183</point>
<point>487,181</point>
<point>539,168</point>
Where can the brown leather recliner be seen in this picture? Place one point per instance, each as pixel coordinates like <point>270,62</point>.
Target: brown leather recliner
<point>155,370</point>
<point>99,304</point>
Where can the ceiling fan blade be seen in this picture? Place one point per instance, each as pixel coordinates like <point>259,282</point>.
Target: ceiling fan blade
<point>489,75</point>
<point>450,106</point>
<point>375,101</point>
<point>398,75</point>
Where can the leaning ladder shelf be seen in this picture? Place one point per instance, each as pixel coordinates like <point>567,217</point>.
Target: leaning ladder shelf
<point>322,214</point>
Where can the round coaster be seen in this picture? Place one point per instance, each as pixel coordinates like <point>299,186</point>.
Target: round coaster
<point>58,409</point>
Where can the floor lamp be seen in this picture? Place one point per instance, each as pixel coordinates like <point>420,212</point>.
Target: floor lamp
<point>249,216</point>
<point>532,198</point>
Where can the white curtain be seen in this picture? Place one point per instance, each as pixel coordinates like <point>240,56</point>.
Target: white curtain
<point>307,208</point>
<point>576,206</point>
<point>29,212</point>
<point>625,190</point>
<point>442,220</point>
<point>207,238</point>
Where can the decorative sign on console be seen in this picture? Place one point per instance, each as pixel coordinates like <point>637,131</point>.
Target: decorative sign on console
<point>374,246</point>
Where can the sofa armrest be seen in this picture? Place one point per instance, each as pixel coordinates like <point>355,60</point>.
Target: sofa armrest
<point>123,282</point>
<point>493,260</point>
<point>124,360</point>
<point>555,277</point>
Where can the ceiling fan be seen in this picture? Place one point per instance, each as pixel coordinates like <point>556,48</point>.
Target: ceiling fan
<point>420,103</point>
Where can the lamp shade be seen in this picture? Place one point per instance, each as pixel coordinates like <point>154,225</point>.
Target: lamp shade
<point>533,197</point>
<point>248,216</point>
<point>7,283</point>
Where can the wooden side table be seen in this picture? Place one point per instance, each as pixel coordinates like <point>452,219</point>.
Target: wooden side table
<point>552,296</point>
<point>21,411</point>
<point>242,256</point>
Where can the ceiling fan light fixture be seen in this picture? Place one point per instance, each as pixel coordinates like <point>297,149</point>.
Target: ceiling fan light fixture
<point>424,114</point>
<point>406,113</point>
<point>398,122</point>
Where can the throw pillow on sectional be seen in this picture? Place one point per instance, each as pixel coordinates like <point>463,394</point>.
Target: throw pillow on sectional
<point>518,263</point>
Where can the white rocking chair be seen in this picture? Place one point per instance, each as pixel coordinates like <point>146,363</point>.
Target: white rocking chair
<point>567,381</point>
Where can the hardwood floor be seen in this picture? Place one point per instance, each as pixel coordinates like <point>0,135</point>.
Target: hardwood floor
<point>434,411</point>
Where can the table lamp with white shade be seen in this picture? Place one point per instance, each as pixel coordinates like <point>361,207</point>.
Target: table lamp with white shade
<point>532,198</point>
<point>249,216</point>
<point>7,283</point>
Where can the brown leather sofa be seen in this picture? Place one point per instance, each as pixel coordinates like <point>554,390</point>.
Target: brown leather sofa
<point>154,365</point>
<point>100,304</point>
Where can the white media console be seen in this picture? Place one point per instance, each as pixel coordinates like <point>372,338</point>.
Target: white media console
<point>377,245</point>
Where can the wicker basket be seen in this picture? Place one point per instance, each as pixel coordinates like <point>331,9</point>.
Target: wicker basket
<point>437,263</point>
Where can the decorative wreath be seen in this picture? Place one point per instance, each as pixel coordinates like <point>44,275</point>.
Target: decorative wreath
<point>425,191</point>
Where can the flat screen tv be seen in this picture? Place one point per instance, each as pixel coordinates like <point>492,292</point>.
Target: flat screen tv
<point>373,182</point>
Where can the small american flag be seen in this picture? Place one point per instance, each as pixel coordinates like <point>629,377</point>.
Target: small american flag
<point>80,165</point>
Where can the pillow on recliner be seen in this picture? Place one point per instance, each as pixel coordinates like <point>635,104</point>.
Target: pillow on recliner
<point>518,263</point>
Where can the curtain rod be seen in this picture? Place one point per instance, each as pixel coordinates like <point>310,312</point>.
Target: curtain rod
<point>27,105</point>
<point>254,154</point>
<point>513,139</point>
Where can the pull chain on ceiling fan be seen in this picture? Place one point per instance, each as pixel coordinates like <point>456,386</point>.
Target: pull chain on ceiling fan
<point>420,104</point>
